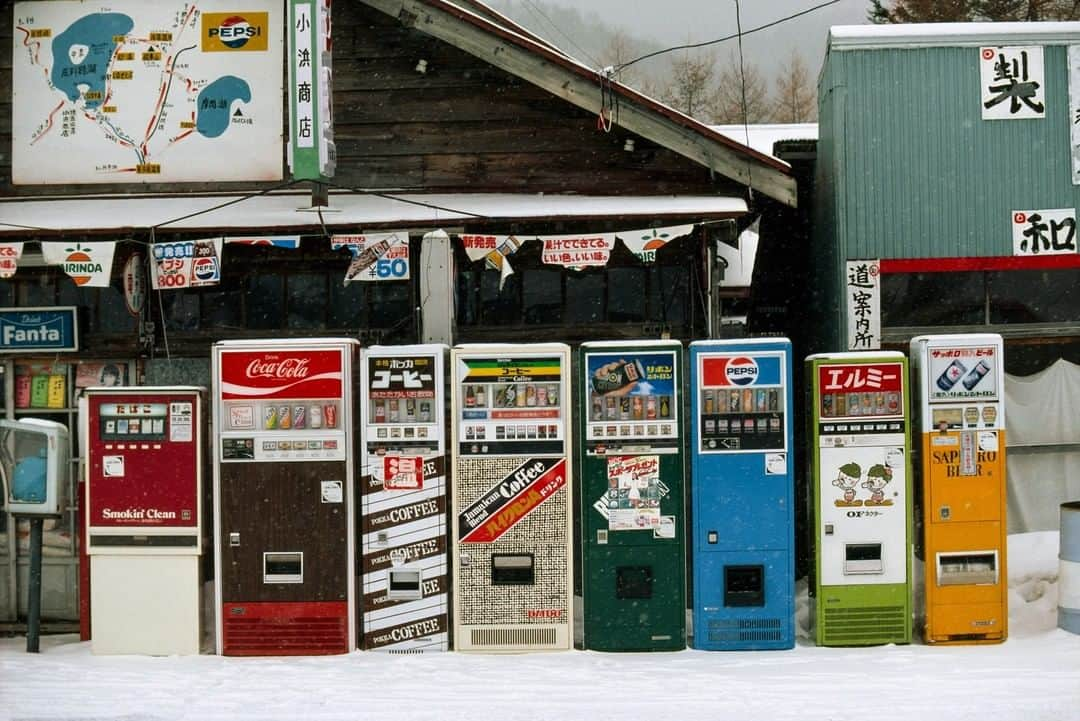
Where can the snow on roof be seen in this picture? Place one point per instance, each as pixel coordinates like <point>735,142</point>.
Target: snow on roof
<point>912,35</point>
<point>765,135</point>
<point>293,210</point>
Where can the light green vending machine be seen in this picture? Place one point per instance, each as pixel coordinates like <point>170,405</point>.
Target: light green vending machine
<point>859,455</point>
<point>633,517</point>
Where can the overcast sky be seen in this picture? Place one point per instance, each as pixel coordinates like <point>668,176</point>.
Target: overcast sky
<point>677,22</point>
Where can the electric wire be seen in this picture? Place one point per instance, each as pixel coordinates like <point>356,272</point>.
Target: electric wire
<point>532,6</point>
<point>691,46</point>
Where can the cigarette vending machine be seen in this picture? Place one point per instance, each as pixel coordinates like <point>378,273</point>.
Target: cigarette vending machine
<point>859,454</point>
<point>743,493</point>
<point>405,599</point>
<point>144,518</point>
<point>512,513</point>
<point>960,415</point>
<point>283,496</point>
<point>632,496</point>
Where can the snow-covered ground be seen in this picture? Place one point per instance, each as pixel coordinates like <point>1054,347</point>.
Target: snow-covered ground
<point>1034,676</point>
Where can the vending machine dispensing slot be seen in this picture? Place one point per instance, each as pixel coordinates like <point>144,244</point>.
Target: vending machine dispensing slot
<point>973,568</point>
<point>744,586</point>
<point>863,558</point>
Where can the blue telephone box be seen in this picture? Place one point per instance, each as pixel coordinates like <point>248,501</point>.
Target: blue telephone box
<point>743,494</point>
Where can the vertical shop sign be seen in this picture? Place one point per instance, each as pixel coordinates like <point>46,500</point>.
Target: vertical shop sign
<point>863,293</point>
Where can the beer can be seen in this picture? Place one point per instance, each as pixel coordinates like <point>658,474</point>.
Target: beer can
<point>951,375</point>
<point>299,417</point>
<point>892,402</point>
<point>379,414</point>
<point>330,415</point>
<point>624,408</point>
<point>270,418</point>
<point>639,408</point>
<point>284,420</point>
<point>710,403</point>
<point>650,407</point>
<point>315,416</point>
<point>611,408</point>
<point>597,408</point>
<point>972,379</point>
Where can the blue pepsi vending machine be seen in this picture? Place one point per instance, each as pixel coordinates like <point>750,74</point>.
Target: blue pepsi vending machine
<point>743,494</point>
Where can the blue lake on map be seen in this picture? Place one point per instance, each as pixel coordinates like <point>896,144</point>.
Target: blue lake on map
<point>215,102</point>
<point>96,32</point>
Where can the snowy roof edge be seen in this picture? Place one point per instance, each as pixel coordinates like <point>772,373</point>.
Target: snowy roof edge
<point>915,35</point>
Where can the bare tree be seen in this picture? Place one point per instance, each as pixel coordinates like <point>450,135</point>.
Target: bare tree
<point>796,97</point>
<point>692,88</point>
<point>736,104</point>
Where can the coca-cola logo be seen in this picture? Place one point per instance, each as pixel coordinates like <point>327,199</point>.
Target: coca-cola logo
<point>287,369</point>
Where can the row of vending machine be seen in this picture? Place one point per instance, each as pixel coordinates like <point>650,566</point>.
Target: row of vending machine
<point>445,497</point>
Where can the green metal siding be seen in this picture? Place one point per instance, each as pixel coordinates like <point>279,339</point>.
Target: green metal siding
<point>917,172</point>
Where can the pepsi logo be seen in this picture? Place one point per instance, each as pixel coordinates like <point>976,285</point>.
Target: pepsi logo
<point>741,371</point>
<point>235,31</point>
<point>204,268</point>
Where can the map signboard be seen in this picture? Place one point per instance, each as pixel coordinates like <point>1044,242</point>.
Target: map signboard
<point>137,92</point>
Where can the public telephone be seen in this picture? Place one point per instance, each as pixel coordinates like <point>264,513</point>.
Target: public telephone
<point>33,467</point>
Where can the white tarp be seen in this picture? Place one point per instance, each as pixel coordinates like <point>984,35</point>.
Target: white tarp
<point>1042,409</point>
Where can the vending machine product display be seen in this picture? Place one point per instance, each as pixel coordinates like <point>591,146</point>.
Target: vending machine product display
<point>283,492</point>
<point>743,493</point>
<point>144,518</point>
<point>859,456</point>
<point>959,385</point>
<point>405,598</point>
<point>632,496</point>
<point>511,506</point>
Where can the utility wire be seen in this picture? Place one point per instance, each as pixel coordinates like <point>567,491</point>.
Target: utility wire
<point>531,6</point>
<point>729,37</point>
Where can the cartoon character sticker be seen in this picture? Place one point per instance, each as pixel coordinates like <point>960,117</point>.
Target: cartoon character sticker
<point>877,478</point>
<point>847,479</point>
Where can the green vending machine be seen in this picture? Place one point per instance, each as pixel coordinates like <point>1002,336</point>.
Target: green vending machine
<point>859,455</point>
<point>632,491</point>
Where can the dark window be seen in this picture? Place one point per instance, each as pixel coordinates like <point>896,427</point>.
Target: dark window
<point>306,301</point>
<point>584,297</point>
<point>932,299</point>
<point>265,299</point>
<point>1035,296</point>
<point>541,296</point>
<point>626,295</point>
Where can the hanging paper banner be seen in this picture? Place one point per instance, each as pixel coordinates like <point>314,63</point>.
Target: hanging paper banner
<point>88,264</point>
<point>9,258</point>
<point>645,243</point>
<point>494,249</point>
<point>186,264</point>
<point>291,242</point>
<point>376,256</point>
<point>738,260</point>
<point>577,251</point>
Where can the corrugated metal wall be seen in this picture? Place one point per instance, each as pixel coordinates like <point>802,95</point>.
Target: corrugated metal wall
<point>918,172</point>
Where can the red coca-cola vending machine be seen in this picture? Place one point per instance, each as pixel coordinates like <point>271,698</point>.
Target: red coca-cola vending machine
<point>283,496</point>
<point>144,518</point>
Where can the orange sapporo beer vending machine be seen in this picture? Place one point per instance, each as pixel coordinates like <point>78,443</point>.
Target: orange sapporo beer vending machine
<point>960,391</point>
<point>283,496</point>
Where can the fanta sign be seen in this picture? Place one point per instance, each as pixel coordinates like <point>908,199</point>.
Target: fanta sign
<point>231,32</point>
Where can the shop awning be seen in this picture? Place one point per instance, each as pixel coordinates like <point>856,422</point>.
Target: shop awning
<point>292,211</point>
